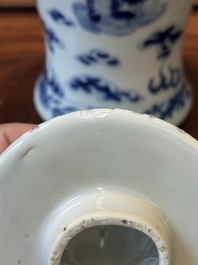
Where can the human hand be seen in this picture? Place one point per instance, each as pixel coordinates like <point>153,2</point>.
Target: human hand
<point>9,132</point>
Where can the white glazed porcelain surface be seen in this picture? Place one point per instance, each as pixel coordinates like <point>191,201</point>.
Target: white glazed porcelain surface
<point>114,54</point>
<point>87,166</point>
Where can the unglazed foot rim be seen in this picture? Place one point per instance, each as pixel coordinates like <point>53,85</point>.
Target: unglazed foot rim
<point>111,218</point>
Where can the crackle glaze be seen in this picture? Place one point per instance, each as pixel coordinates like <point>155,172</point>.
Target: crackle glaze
<point>115,54</point>
<point>100,186</point>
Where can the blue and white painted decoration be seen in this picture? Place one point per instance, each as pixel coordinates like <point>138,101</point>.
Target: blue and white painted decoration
<point>163,40</point>
<point>118,17</point>
<point>166,81</point>
<point>58,17</point>
<point>114,54</point>
<point>52,40</point>
<point>96,56</point>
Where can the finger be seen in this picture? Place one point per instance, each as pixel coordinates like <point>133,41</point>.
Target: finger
<point>9,132</point>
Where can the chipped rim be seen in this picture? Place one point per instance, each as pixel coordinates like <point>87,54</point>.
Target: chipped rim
<point>101,113</point>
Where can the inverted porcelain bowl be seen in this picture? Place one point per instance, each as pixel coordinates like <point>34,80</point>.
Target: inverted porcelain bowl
<point>100,187</point>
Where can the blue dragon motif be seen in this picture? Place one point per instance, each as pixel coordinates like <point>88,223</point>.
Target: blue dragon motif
<point>118,17</point>
<point>106,90</point>
<point>166,109</point>
<point>50,101</point>
<point>163,40</point>
<point>171,80</point>
<point>49,91</point>
<point>51,95</point>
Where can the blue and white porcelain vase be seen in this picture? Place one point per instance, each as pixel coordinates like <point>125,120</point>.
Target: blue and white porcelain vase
<point>116,54</point>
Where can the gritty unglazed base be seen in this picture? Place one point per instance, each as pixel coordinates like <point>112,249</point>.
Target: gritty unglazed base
<point>134,213</point>
<point>94,219</point>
